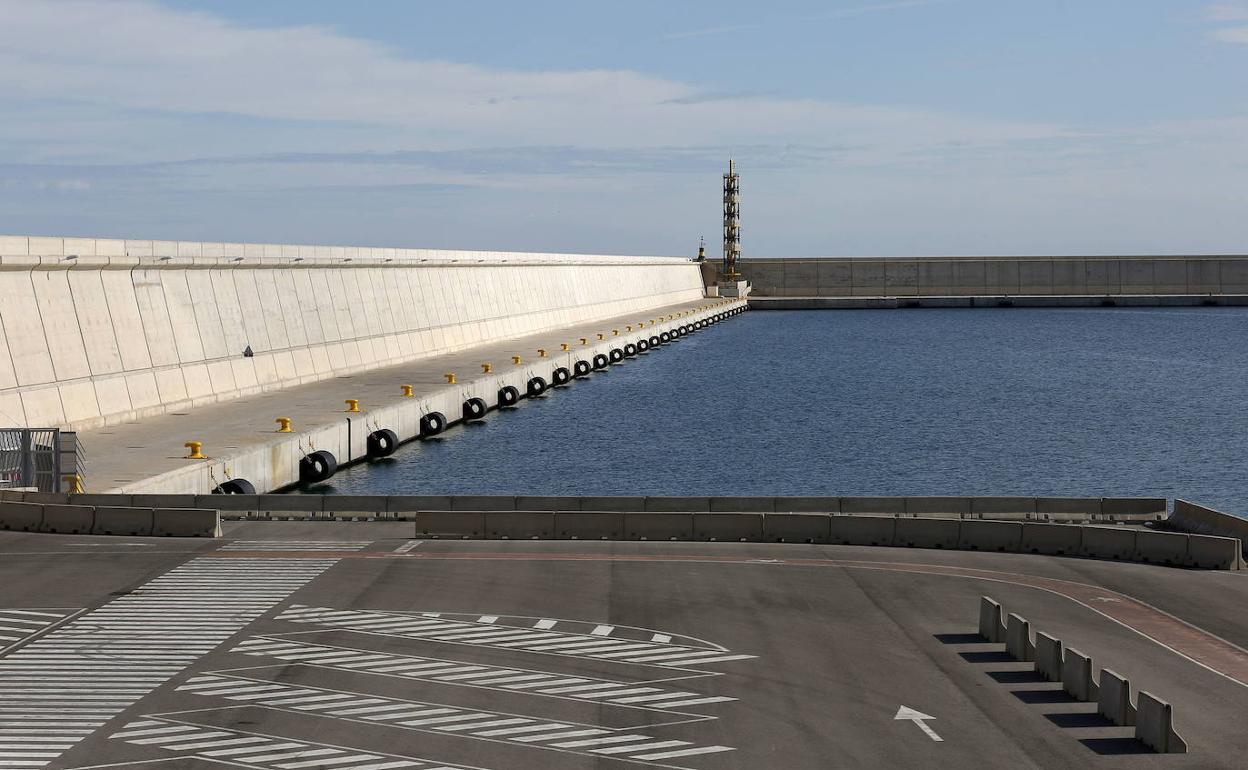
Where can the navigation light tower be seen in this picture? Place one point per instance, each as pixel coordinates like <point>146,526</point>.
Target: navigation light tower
<point>732,223</point>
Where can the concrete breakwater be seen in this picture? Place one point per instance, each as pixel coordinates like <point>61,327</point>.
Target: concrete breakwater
<point>1165,278</point>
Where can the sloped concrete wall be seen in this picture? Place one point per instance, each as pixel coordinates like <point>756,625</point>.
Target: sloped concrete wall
<point>996,276</point>
<point>95,332</point>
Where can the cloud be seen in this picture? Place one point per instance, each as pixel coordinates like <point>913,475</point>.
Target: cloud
<point>1226,12</point>
<point>839,13</point>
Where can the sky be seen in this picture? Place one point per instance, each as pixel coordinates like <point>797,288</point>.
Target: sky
<point>860,127</point>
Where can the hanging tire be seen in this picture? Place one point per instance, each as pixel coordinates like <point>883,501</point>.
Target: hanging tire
<point>235,487</point>
<point>561,376</point>
<point>601,361</point>
<point>475,409</point>
<point>317,467</point>
<point>536,387</point>
<point>616,355</point>
<point>630,350</point>
<point>382,443</point>
<point>581,368</point>
<point>655,341</point>
<point>432,424</point>
<point>643,345</point>
<point>665,337</point>
<point>508,396</point>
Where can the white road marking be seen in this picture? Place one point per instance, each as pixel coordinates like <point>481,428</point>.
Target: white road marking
<point>408,546</point>
<point>545,623</point>
<point>63,685</point>
<point>919,718</point>
<point>602,630</point>
<point>296,545</point>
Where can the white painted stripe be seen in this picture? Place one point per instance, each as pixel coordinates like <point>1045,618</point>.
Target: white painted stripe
<point>642,747</point>
<point>601,741</point>
<point>545,623</point>
<point>488,619</point>
<point>602,630</point>
<point>684,752</point>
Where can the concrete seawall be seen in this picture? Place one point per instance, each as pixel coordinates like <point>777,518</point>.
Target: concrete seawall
<point>991,277</point>
<point>97,332</point>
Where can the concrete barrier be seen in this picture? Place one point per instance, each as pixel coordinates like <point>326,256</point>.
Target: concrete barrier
<point>1078,678</point>
<point>356,507</point>
<point>1049,656</point>
<point>1210,552</point>
<point>483,503</point>
<point>807,504</point>
<point>1154,726</point>
<point>676,504</point>
<point>728,527</point>
<point>1108,543</point>
<point>186,522</point>
<point>1081,507</point>
<point>1135,507</point>
<point>658,526</point>
<point>975,535</point>
<point>1010,507</point>
<point>589,525</point>
<point>742,504</point>
<point>416,503</point>
<point>1018,638</point>
<point>451,525</point>
<point>164,501</point>
<point>1154,547</point>
<point>1051,539</point>
<point>68,519</point>
<point>863,530</point>
<point>927,533</point>
<point>892,506</point>
<point>938,506</point>
<point>797,528</point>
<point>990,625</point>
<point>519,525</point>
<point>1114,700</point>
<point>21,517</point>
<point>547,503</point>
<point>46,498</point>
<point>622,504</point>
<point>1202,520</point>
<point>112,520</point>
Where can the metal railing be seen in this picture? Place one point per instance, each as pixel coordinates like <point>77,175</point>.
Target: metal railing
<point>47,459</point>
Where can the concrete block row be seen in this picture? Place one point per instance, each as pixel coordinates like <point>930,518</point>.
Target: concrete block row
<point>1153,718</point>
<point>108,520</point>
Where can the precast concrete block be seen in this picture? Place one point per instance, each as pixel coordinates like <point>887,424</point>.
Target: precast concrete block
<point>116,520</point>
<point>21,517</point>
<point>1087,507</point>
<point>807,504</point>
<point>589,525</point>
<point>1114,700</point>
<point>229,502</point>
<point>1002,507</point>
<point>302,505</point>
<point>414,503</point>
<point>68,519</point>
<point>1018,641</point>
<point>742,504</point>
<point>121,500</point>
<point>728,527</point>
<point>991,626</point>
<point>938,506</point>
<point>797,527</point>
<point>892,506</point>
<point>1048,657</point>
<point>622,504</point>
<point>1108,543</point>
<point>863,530</point>
<point>927,533</point>
<point>186,522</point>
<point>1147,508</point>
<point>47,498</point>
<point>520,525</point>
<point>557,503</point>
<point>163,501</point>
<point>677,504</point>
<point>1051,539</point>
<point>483,503</point>
<point>449,525</point>
<point>977,535</point>
<point>1077,676</point>
<point>1209,552</point>
<point>658,526</point>
<point>1154,726</point>
<point>355,506</point>
<point>1169,548</point>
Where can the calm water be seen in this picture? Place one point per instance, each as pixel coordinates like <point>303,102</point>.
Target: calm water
<point>935,402</point>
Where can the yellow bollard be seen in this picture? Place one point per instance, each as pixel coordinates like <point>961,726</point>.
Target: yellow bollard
<point>486,368</point>
<point>584,341</point>
<point>601,336</point>
<point>407,390</point>
<point>353,404</point>
<point>450,378</point>
<point>74,482</point>
<point>516,360</point>
<point>284,423</point>
<point>565,346</point>
<point>541,352</point>
<point>615,332</point>
<point>629,328</point>
<point>195,447</point>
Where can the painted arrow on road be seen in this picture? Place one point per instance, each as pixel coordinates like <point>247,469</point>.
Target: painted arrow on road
<point>918,717</point>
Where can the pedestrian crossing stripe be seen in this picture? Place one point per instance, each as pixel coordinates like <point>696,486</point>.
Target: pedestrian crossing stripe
<point>296,545</point>
<point>529,682</point>
<point>435,628</point>
<point>17,625</point>
<point>502,727</point>
<point>223,744</point>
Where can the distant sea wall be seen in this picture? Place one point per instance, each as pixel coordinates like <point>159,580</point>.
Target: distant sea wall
<point>95,332</point>
<point>997,276</point>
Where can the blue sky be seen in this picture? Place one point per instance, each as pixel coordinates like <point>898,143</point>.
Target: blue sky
<point>861,127</point>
